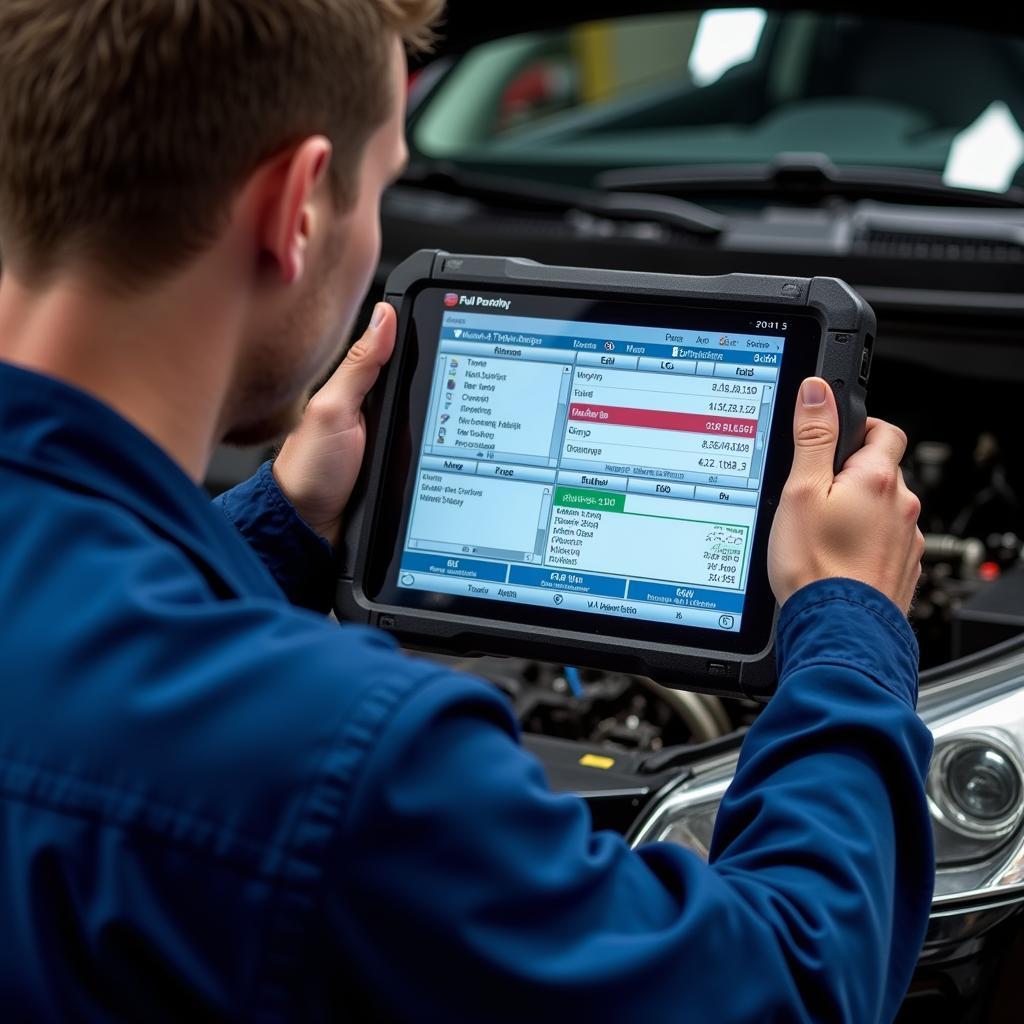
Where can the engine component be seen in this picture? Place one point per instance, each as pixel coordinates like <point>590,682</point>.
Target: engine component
<point>993,614</point>
<point>629,712</point>
<point>967,553</point>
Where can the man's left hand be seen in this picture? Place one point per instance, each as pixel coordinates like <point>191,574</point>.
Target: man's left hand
<point>321,458</point>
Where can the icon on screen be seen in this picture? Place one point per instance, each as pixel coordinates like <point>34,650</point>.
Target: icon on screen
<point>609,346</point>
<point>454,364</point>
<point>726,621</point>
<point>451,383</point>
<point>457,332</point>
<point>451,300</point>
<point>558,599</point>
<point>445,417</point>
<point>408,579</point>
<point>442,432</point>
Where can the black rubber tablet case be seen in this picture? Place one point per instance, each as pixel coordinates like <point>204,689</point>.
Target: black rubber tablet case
<point>848,327</point>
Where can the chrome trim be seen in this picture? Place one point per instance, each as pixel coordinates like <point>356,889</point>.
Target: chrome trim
<point>690,793</point>
<point>977,902</point>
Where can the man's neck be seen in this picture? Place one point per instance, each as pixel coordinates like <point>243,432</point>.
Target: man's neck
<point>164,360</point>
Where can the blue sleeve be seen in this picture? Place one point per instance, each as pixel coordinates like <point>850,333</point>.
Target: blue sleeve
<point>825,829</point>
<point>300,560</point>
<point>467,890</point>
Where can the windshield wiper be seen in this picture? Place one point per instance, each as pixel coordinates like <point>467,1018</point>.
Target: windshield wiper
<point>805,177</point>
<point>536,195</point>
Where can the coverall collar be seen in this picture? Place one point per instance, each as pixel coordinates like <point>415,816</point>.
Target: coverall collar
<point>51,429</point>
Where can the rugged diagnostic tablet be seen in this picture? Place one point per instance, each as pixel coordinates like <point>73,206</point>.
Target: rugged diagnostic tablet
<point>582,465</point>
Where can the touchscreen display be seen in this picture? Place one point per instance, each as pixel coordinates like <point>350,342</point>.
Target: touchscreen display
<point>602,468</point>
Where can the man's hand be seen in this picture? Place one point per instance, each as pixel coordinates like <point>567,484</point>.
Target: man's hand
<point>861,524</point>
<point>320,460</point>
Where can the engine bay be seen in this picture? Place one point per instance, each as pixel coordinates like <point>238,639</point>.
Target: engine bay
<point>954,390</point>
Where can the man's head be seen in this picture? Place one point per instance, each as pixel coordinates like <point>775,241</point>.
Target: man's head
<point>137,136</point>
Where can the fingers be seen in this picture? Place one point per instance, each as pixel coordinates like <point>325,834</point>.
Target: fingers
<point>879,459</point>
<point>908,506</point>
<point>887,438</point>
<point>815,434</point>
<point>359,370</point>
<point>912,574</point>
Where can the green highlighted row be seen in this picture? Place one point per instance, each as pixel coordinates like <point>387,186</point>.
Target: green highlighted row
<point>596,501</point>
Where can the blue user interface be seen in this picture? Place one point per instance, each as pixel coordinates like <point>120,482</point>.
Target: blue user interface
<point>599,468</point>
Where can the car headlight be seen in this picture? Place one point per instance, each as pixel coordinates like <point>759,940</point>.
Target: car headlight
<point>974,793</point>
<point>975,789</point>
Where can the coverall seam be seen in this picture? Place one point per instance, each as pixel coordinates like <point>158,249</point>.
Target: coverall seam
<point>851,667</point>
<point>837,599</point>
<point>151,833</point>
<point>280,964</point>
<point>396,695</point>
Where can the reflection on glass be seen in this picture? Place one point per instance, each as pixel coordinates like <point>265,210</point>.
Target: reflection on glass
<point>724,40</point>
<point>988,153</point>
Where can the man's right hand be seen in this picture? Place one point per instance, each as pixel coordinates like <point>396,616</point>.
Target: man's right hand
<point>860,524</point>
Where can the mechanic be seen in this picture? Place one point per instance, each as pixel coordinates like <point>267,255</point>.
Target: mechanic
<point>215,803</point>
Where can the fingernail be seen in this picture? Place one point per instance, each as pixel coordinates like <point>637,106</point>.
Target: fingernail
<point>379,312</point>
<point>813,392</point>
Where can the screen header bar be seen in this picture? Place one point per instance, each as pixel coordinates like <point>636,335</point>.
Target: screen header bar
<point>578,330</point>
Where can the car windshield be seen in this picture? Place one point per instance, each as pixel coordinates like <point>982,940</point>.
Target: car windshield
<point>734,88</point>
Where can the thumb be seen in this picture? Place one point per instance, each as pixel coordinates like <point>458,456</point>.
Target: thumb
<point>815,434</point>
<point>361,367</point>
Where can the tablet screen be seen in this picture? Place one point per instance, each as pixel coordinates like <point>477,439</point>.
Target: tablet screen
<point>602,468</point>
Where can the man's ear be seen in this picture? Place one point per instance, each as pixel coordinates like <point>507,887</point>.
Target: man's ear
<point>289,212</point>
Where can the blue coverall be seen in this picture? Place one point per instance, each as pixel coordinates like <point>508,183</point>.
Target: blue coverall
<point>216,804</point>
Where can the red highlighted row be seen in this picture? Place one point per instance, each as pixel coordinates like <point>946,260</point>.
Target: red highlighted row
<point>621,416</point>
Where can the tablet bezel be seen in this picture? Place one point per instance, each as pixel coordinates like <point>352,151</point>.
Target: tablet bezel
<point>420,328</point>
